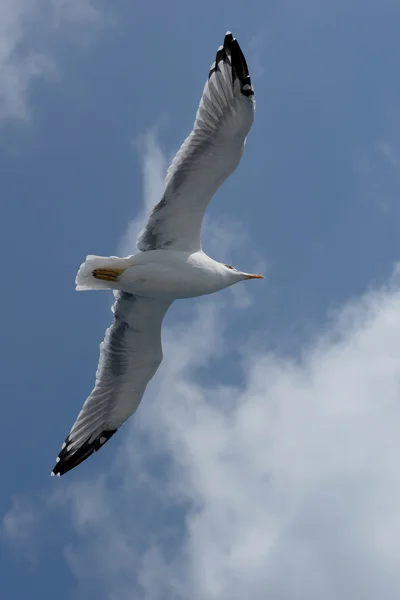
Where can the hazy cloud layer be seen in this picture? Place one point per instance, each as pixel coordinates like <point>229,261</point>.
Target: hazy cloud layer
<point>27,32</point>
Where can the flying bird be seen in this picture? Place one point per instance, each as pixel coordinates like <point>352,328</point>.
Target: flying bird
<point>170,262</point>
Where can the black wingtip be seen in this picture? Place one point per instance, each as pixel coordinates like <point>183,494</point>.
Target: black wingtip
<point>232,53</point>
<point>69,458</point>
<point>240,68</point>
<point>228,37</point>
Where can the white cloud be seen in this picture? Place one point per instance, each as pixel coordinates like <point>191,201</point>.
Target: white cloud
<point>26,31</point>
<point>285,487</point>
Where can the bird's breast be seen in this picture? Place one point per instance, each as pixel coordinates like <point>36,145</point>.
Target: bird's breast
<point>169,280</point>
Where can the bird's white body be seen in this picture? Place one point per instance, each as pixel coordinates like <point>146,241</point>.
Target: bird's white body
<point>170,263</point>
<point>161,274</point>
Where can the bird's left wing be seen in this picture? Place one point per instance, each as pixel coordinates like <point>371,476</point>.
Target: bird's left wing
<point>207,157</point>
<point>129,357</point>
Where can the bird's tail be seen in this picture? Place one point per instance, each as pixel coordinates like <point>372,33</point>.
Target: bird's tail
<point>100,273</point>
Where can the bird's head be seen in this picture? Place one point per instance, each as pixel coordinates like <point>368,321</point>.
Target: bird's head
<point>234,275</point>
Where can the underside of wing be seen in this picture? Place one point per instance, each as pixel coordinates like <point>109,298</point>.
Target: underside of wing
<point>129,357</point>
<point>208,156</point>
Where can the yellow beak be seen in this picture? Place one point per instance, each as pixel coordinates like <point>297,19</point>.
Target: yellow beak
<point>255,276</point>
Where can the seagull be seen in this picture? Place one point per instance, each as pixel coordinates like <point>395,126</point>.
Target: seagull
<point>170,263</point>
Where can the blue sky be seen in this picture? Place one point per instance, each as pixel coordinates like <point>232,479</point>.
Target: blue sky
<point>262,462</point>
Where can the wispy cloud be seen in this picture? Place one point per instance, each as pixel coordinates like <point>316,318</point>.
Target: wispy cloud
<point>220,491</point>
<point>27,28</point>
<point>19,527</point>
<point>377,168</point>
<point>154,166</point>
<point>294,472</point>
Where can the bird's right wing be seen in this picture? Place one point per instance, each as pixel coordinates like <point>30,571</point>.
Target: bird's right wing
<point>207,157</point>
<point>129,357</point>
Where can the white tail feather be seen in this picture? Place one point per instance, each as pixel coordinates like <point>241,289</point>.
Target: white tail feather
<point>85,280</point>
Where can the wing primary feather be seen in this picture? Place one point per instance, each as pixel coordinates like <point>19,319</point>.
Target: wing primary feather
<point>239,65</point>
<point>69,458</point>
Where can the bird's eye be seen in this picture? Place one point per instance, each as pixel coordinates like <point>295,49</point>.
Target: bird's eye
<point>228,266</point>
